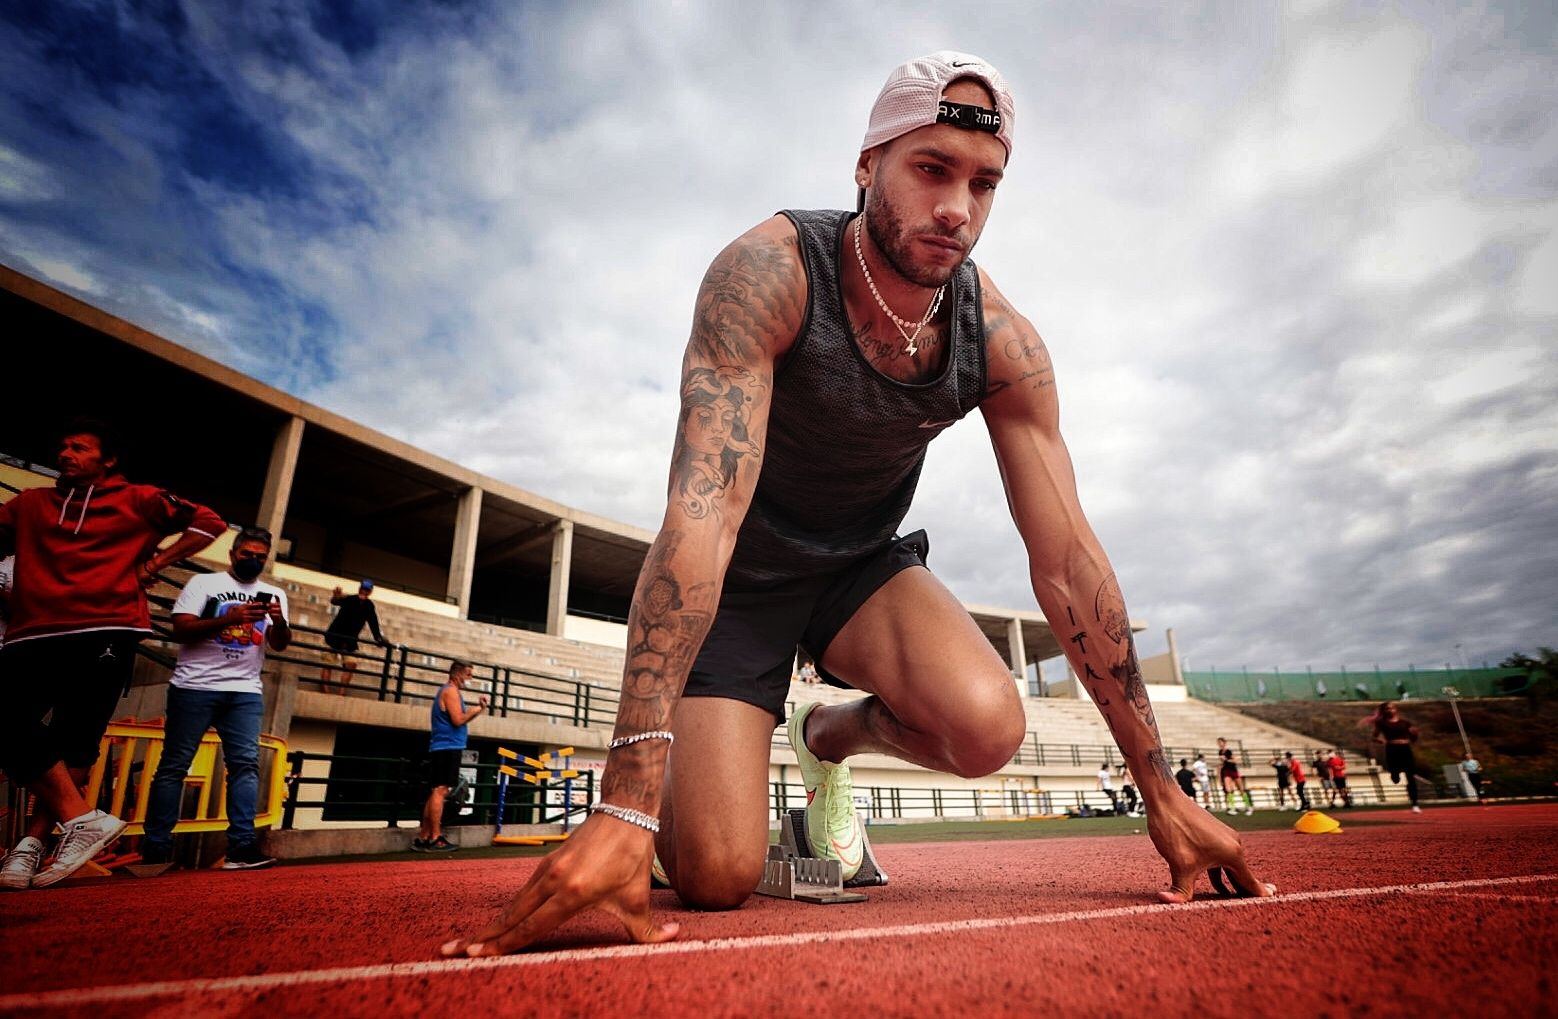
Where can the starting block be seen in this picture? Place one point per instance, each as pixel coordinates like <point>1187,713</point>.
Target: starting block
<point>792,872</point>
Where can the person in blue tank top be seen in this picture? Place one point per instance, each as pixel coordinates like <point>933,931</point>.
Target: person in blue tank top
<point>828,348</point>
<point>451,721</point>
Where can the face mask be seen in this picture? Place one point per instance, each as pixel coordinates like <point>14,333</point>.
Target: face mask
<point>248,570</point>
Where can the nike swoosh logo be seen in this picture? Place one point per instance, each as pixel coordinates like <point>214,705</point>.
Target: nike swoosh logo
<point>928,423</point>
<point>850,852</point>
<point>966,63</point>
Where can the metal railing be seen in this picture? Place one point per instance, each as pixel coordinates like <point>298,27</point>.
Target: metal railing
<point>403,674</point>
<point>396,788</point>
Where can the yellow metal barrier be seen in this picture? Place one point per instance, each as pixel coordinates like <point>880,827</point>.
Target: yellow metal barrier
<point>134,748</point>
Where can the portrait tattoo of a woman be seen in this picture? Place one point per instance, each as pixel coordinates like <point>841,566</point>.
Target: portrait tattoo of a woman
<point>716,407</point>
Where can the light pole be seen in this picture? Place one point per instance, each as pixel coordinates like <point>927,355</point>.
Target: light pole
<point>1452,693</point>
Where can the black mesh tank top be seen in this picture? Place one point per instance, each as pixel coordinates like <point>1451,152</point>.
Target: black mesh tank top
<point>845,442</point>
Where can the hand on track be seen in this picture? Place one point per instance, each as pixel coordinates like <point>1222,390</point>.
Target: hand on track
<point>604,865</point>
<point>1192,840</point>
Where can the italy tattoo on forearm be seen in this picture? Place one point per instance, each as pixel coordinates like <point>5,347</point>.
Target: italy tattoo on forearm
<point>1124,677</point>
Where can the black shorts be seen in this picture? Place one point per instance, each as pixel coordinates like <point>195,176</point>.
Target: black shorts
<point>80,677</point>
<point>443,768</point>
<point>749,652</point>
<point>1339,783</point>
<point>340,644</point>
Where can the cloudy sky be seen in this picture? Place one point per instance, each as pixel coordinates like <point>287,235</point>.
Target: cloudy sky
<point>1297,264</point>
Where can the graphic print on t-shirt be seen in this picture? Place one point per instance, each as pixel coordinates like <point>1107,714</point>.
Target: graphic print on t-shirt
<point>239,636</point>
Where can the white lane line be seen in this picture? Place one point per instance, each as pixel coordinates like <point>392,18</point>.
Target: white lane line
<point>391,971</point>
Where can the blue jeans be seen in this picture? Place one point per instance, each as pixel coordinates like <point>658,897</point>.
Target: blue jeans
<point>236,717</point>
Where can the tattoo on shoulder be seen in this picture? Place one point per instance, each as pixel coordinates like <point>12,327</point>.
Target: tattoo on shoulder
<point>1015,346</point>
<point>747,294</point>
<point>712,437</point>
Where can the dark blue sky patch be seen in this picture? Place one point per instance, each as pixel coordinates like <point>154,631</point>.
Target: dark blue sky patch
<point>139,64</point>
<point>353,25</point>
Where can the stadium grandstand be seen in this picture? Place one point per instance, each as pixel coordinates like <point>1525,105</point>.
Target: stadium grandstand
<point>466,566</point>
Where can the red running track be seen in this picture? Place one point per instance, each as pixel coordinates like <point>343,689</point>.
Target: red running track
<point>1452,912</point>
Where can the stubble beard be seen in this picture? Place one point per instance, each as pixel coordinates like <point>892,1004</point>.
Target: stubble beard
<point>887,232</point>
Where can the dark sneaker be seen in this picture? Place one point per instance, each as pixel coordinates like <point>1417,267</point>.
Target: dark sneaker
<point>155,853</point>
<point>441,845</point>
<point>421,845</point>
<point>246,857</point>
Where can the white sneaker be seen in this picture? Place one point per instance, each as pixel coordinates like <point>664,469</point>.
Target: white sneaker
<point>1416,809</point>
<point>1248,811</point>
<point>1233,810</point>
<point>832,826</point>
<point>81,841</point>
<point>21,864</point>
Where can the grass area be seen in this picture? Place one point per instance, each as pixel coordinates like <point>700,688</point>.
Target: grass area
<point>972,831</point>
<point>886,833</point>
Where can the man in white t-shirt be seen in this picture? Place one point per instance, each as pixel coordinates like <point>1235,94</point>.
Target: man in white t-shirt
<point>1106,785</point>
<point>1203,780</point>
<point>223,622</point>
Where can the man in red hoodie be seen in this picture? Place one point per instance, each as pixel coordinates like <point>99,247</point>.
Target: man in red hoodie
<point>86,551</point>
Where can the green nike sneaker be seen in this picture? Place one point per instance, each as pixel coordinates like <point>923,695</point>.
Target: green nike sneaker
<point>832,827</point>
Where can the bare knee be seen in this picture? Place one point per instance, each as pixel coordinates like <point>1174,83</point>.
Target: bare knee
<point>709,883</point>
<point>988,732</point>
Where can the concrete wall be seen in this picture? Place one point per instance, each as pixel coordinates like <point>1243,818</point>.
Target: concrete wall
<point>596,631</point>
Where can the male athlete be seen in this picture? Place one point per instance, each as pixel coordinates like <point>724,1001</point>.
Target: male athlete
<point>826,351</point>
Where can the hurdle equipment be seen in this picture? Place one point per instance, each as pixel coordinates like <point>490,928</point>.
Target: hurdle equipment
<point>542,772</point>
<point>792,872</point>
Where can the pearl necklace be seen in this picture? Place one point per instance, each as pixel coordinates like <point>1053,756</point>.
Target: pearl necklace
<point>903,326</point>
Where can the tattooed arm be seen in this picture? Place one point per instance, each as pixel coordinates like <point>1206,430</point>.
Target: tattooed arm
<point>1077,590</point>
<point>749,309</point>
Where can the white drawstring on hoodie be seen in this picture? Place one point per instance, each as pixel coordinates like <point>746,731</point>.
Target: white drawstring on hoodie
<point>84,504</point>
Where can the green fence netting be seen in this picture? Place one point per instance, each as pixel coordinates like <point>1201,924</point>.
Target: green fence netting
<point>1244,686</point>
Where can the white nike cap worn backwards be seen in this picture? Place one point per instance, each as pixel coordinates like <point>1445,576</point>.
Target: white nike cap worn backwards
<point>911,99</point>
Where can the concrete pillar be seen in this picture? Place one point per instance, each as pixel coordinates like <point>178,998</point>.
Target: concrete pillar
<point>279,475</point>
<point>462,557</point>
<point>280,703</point>
<point>562,562</point>
<point>1179,673</point>
<point>1019,654</point>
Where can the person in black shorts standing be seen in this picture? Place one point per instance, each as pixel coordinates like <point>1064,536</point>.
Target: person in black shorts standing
<point>86,549</point>
<point>1186,778</point>
<point>451,721</point>
<point>1337,764</point>
<point>354,611</point>
<point>828,348</point>
<point>1284,769</point>
<point>1233,781</point>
